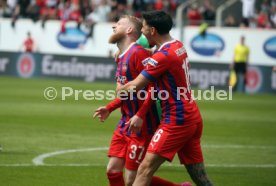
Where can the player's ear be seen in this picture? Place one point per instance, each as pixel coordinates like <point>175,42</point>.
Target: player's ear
<point>153,31</point>
<point>129,30</point>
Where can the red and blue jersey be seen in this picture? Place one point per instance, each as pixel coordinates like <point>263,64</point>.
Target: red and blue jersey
<point>129,66</point>
<point>169,67</point>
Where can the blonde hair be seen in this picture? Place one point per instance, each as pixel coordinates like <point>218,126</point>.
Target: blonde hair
<point>136,22</point>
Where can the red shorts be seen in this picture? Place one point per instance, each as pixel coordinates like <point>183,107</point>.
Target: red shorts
<point>132,149</point>
<point>183,140</point>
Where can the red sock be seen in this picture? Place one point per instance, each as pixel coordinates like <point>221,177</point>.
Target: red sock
<point>157,181</point>
<point>116,179</point>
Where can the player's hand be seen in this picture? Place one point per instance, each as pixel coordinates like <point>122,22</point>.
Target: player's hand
<point>126,88</point>
<point>135,124</point>
<point>102,113</point>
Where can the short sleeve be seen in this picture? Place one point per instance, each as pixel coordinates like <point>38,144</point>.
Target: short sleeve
<point>156,65</point>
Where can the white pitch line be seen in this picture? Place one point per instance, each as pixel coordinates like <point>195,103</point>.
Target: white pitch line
<point>39,159</point>
<point>165,165</point>
<point>17,165</point>
<point>238,146</point>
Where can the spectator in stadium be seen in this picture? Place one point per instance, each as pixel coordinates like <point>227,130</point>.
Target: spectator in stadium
<point>240,62</point>
<point>85,8</point>
<point>194,15</point>
<point>69,12</point>
<point>28,44</point>
<point>272,16</point>
<point>263,20</point>
<point>181,124</point>
<point>99,14</point>
<point>82,10</point>
<point>209,12</point>
<point>265,6</point>
<point>4,9</point>
<point>230,21</point>
<point>33,10</point>
<point>248,11</point>
<point>48,10</point>
<point>138,6</point>
<point>117,10</point>
<point>21,10</point>
<point>11,5</point>
<point>101,11</point>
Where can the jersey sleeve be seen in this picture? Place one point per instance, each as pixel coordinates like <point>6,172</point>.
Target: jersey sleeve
<point>155,66</point>
<point>147,103</point>
<point>113,105</point>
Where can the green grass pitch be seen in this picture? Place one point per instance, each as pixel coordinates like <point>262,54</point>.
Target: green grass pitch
<point>239,138</point>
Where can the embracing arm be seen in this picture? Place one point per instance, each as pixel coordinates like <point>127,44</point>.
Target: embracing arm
<point>137,84</point>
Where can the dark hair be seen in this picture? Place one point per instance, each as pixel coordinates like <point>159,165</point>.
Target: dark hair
<point>160,20</point>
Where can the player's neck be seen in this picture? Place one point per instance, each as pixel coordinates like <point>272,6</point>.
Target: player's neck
<point>163,39</point>
<point>123,45</point>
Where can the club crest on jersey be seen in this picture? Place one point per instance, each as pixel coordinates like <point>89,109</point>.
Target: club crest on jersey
<point>121,79</point>
<point>150,61</point>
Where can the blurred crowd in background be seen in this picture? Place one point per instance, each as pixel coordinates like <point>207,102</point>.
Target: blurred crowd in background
<point>259,14</point>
